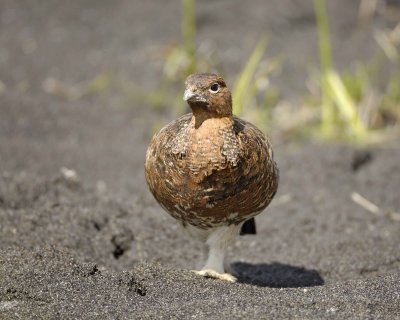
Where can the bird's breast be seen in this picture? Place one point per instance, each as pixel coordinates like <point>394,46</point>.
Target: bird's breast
<point>206,151</point>
<point>213,174</point>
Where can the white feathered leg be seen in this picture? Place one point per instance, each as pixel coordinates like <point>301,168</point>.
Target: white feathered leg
<point>217,241</point>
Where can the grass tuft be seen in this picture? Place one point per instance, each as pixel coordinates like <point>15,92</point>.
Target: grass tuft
<point>350,106</point>
<point>245,86</point>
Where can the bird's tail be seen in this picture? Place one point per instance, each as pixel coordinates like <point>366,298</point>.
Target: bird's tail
<point>248,227</point>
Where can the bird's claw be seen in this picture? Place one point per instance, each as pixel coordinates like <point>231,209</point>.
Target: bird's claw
<point>209,273</point>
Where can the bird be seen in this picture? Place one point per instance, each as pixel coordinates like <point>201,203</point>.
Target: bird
<point>211,171</point>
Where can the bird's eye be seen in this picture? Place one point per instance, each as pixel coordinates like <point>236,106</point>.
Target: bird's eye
<point>214,88</point>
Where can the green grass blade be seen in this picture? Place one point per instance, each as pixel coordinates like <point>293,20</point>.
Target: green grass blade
<point>188,29</point>
<point>325,50</point>
<point>346,105</point>
<point>325,56</point>
<point>241,89</point>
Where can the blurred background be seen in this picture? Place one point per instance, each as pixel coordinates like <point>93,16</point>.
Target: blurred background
<point>85,84</point>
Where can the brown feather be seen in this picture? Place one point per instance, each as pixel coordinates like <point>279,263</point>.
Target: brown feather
<point>210,168</point>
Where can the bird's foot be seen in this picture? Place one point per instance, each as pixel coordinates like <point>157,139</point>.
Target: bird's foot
<point>209,273</point>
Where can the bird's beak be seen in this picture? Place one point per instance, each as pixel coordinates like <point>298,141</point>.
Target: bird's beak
<point>191,96</point>
<point>188,95</point>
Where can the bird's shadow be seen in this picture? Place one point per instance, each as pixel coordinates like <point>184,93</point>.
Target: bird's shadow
<point>276,275</point>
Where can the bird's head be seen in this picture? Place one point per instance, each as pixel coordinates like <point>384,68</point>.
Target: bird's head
<point>207,93</point>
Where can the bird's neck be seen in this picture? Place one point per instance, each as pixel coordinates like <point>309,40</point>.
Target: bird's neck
<point>201,116</point>
<point>208,126</point>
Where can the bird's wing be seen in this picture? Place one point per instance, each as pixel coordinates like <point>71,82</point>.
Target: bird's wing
<point>170,139</point>
<point>170,142</point>
<point>255,151</point>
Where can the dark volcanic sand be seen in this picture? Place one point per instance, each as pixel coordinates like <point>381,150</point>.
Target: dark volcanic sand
<point>102,248</point>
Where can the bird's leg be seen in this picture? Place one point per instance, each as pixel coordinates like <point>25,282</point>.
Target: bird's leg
<point>217,242</point>
<point>215,259</point>
<point>214,266</point>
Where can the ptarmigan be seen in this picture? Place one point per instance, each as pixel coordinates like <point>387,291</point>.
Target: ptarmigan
<point>211,170</point>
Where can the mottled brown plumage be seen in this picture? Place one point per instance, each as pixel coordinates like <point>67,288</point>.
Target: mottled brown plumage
<point>211,170</point>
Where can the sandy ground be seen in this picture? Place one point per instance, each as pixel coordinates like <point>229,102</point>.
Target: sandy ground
<point>99,247</point>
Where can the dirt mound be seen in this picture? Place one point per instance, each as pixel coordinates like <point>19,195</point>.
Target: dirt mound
<point>90,242</point>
